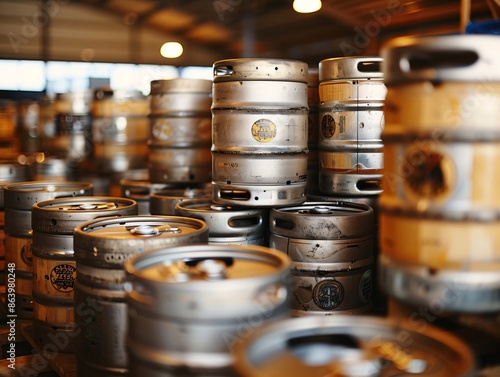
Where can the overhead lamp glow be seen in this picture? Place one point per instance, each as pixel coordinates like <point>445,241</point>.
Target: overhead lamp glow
<point>306,6</point>
<point>171,50</point>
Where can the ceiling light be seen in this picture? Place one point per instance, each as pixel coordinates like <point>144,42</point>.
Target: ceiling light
<point>306,6</point>
<point>171,50</point>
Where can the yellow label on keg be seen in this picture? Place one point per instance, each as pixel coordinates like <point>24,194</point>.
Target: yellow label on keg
<point>328,126</point>
<point>263,130</point>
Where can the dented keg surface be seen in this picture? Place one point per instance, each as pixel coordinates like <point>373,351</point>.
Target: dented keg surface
<point>54,266</point>
<point>331,247</point>
<point>120,130</point>
<point>259,132</point>
<point>10,171</point>
<point>163,202</point>
<point>180,125</point>
<point>349,346</point>
<point>228,225</point>
<point>136,185</point>
<point>101,247</point>
<point>440,211</point>
<point>189,305</point>
<point>352,93</point>
<point>19,199</point>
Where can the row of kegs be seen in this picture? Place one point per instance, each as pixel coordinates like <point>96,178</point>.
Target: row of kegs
<point>204,281</point>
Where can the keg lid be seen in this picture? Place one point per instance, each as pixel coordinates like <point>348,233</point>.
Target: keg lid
<point>357,67</point>
<point>225,220</point>
<point>62,215</point>
<point>344,345</point>
<point>202,263</point>
<point>260,69</point>
<point>441,58</point>
<point>181,85</point>
<point>323,220</point>
<point>23,195</point>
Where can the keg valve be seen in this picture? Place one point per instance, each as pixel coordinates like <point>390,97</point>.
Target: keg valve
<point>212,269</point>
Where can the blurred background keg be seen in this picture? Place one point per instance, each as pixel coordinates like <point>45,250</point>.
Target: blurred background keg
<point>228,225</point>
<point>54,266</point>
<point>120,130</point>
<point>10,171</point>
<point>440,209</point>
<point>136,185</point>
<point>347,346</point>
<point>46,123</point>
<point>180,131</point>
<point>189,305</point>
<point>351,93</point>
<point>28,126</point>
<point>101,247</point>
<point>19,199</point>
<point>9,142</point>
<point>163,202</point>
<point>313,131</point>
<point>259,132</point>
<point>331,247</point>
<point>51,168</point>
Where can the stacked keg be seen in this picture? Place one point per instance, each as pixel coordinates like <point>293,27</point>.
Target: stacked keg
<point>54,266</point>
<point>189,306</point>
<point>180,123</point>
<point>439,211</point>
<point>19,199</point>
<point>120,130</point>
<point>331,248</point>
<point>10,171</point>
<point>259,132</point>
<point>101,247</point>
<point>351,347</point>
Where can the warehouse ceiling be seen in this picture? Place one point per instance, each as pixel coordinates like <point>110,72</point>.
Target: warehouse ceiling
<point>133,30</point>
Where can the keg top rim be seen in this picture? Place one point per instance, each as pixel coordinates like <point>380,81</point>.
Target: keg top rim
<point>55,204</point>
<point>352,67</point>
<point>456,57</point>
<point>337,208</point>
<point>254,350</point>
<point>48,186</point>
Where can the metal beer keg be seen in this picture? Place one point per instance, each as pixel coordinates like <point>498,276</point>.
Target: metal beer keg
<point>163,202</point>
<point>347,346</point>
<point>120,130</point>
<point>331,247</point>
<point>189,305</point>
<point>440,209</point>
<point>228,225</point>
<point>180,124</point>
<point>351,93</point>
<point>10,171</point>
<point>19,199</point>
<point>54,266</point>
<point>259,132</point>
<point>101,247</point>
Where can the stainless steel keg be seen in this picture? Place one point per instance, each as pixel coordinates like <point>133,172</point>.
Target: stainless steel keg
<point>259,132</point>
<point>72,138</point>
<point>101,247</point>
<point>189,305</point>
<point>351,93</point>
<point>228,225</point>
<point>349,346</point>
<point>54,266</point>
<point>440,210</point>
<point>120,130</point>
<point>180,131</point>
<point>163,202</point>
<point>10,171</point>
<point>136,185</point>
<point>19,199</point>
<point>51,168</point>
<point>331,247</point>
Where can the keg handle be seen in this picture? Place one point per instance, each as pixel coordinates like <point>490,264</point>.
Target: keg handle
<point>192,262</point>
<point>244,222</point>
<point>223,71</point>
<point>369,66</point>
<point>431,61</point>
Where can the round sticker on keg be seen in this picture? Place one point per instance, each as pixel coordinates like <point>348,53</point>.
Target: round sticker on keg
<point>365,287</point>
<point>428,172</point>
<point>263,130</point>
<point>62,277</point>
<point>328,294</point>
<point>328,126</point>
